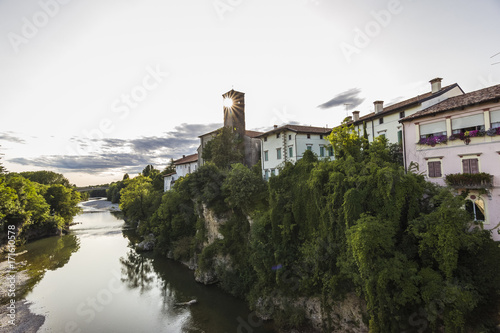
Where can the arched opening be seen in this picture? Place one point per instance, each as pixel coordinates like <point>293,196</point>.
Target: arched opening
<point>475,206</point>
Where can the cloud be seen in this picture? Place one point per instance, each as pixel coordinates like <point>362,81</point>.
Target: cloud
<point>87,164</point>
<point>350,97</point>
<point>131,155</point>
<point>8,136</point>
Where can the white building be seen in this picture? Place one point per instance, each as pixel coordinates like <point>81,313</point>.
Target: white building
<point>183,167</point>
<point>288,143</point>
<point>385,120</point>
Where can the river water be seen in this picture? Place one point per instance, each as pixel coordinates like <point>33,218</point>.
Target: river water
<point>93,280</point>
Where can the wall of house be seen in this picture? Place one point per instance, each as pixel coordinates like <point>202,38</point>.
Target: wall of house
<point>203,142</point>
<point>167,182</point>
<point>486,149</point>
<point>252,150</point>
<point>183,169</point>
<point>391,125</point>
<point>299,143</point>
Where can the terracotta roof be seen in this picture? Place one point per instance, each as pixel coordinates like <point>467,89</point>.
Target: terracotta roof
<point>486,95</point>
<point>169,174</point>
<point>406,103</point>
<point>252,134</point>
<point>213,132</point>
<point>299,129</point>
<point>187,159</point>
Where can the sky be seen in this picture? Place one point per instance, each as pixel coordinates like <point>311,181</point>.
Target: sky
<point>93,89</point>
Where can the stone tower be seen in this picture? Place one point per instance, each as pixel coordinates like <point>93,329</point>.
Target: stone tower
<point>234,111</point>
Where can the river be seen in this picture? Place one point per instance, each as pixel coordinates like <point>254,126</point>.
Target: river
<point>92,280</point>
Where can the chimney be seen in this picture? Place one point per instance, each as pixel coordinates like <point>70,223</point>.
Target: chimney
<point>275,126</point>
<point>355,115</point>
<point>379,106</point>
<point>435,84</point>
<point>183,156</point>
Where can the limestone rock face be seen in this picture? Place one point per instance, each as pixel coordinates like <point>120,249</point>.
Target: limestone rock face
<point>212,225</point>
<point>147,244</point>
<point>342,316</point>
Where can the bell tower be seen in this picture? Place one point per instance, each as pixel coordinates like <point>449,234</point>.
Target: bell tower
<point>234,111</point>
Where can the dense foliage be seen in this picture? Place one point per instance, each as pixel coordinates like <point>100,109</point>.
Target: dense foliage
<point>36,209</point>
<point>326,228</point>
<point>225,149</point>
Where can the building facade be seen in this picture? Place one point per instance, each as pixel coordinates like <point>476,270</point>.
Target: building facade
<point>234,118</point>
<point>288,143</point>
<point>460,137</point>
<point>183,167</point>
<point>384,121</point>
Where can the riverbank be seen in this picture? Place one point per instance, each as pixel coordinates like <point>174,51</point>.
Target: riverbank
<point>25,320</point>
<point>22,320</point>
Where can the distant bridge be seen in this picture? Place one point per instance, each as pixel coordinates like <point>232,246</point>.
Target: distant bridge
<point>94,191</point>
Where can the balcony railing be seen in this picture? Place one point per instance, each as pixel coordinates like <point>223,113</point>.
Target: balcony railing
<point>470,180</point>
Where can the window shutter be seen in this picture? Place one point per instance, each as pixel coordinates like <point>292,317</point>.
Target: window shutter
<point>465,166</point>
<point>469,121</point>
<point>474,165</point>
<point>434,169</point>
<point>432,172</point>
<point>436,127</point>
<point>437,169</point>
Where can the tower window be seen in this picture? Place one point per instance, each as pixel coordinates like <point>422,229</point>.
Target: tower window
<point>308,136</point>
<point>277,135</point>
<point>380,120</point>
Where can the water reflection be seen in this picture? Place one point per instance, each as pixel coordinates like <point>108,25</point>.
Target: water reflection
<point>215,311</point>
<point>46,254</point>
<point>138,271</point>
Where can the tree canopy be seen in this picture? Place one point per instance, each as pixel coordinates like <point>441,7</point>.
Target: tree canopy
<point>225,149</point>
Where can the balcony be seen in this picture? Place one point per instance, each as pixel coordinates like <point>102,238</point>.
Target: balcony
<point>470,180</point>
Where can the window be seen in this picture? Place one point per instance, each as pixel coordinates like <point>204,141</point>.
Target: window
<point>381,120</point>
<point>290,151</point>
<point>321,151</point>
<point>321,136</point>
<point>308,136</point>
<point>435,129</point>
<point>382,135</point>
<point>266,155</point>
<point>401,114</point>
<point>495,119</point>
<point>266,177</point>
<point>289,137</point>
<point>330,151</point>
<point>277,135</point>
<point>475,207</point>
<point>470,165</point>
<point>469,123</point>
<point>273,172</point>
<point>309,147</point>
<point>434,168</point>
<point>265,139</point>
<point>400,137</point>
<point>278,153</point>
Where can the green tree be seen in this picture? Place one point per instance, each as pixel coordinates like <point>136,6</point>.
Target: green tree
<point>170,168</point>
<point>2,168</point>
<point>244,189</point>
<point>46,177</point>
<point>346,141</point>
<point>138,200</point>
<point>225,149</point>
<point>63,201</point>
